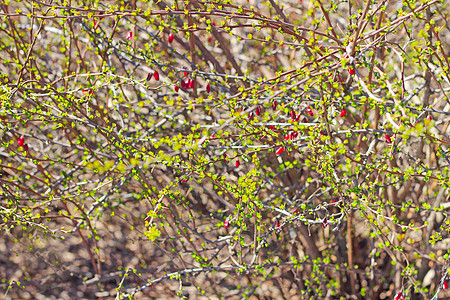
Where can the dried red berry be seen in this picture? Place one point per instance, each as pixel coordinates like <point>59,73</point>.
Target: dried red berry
<point>184,84</point>
<point>445,285</point>
<point>129,35</point>
<point>237,163</point>
<point>156,75</point>
<point>21,141</point>
<point>279,151</point>
<point>25,147</point>
<point>274,104</point>
<point>324,223</point>
<point>208,88</point>
<point>88,92</point>
<point>351,70</point>
<point>171,38</point>
<point>309,110</point>
<point>343,113</point>
<point>293,115</point>
<point>388,139</point>
<point>276,223</point>
<point>149,76</point>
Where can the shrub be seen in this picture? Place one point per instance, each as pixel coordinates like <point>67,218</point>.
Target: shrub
<point>236,149</point>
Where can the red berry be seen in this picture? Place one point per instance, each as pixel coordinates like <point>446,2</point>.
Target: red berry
<point>185,73</point>
<point>324,223</point>
<point>208,88</point>
<point>184,84</point>
<point>184,181</point>
<point>309,110</point>
<point>388,139</point>
<point>399,296</point>
<point>343,113</point>
<point>88,92</point>
<point>445,285</point>
<point>21,141</point>
<point>250,116</point>
<point>276,223</point>
<point>171,38</point>
<point>210,39</point>
<point>149,76</point>
<point>351,70</point>
<point>191,84</point>
<point>237,163</point>
<point>294,134</point>
<point>279,150</point>
<point>129,35</point>
<point>293,115</point>
<point>258,110</point>
<point>156,74</point>
<point>274,104</point>
<point>96,24</point>
<point>295,212</point>
<point>287,137</point>
<point>226,223</point>
<point>429,117</point>
<point>177,88</point>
